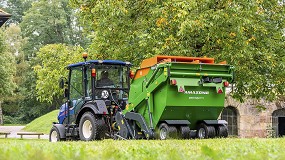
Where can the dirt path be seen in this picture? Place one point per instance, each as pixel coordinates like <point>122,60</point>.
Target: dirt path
<point>15,129</point>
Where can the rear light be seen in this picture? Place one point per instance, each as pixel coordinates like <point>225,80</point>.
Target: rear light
<point>226,83</point>
<point>173,82</point>
<point>93,72</point>
<point>131,74</point>
<point>220,91</point>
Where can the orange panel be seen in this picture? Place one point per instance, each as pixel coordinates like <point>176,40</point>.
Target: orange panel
<point>160,59</point>
<point>141,72</point>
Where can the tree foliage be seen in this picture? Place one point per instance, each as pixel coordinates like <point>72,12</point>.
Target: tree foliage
<point>247,34</point>
<point>53,61</point>
<point>7,69</point>
<point>50,22</point>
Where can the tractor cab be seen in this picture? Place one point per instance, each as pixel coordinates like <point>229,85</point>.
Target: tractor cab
<point>100,82</point>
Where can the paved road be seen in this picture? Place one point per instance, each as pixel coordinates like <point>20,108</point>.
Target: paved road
<point>15,129</point>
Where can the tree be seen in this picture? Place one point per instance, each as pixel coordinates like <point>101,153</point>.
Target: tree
<point>16,8</point>
<point>53,61</point>
<point>50,22</point>
<point>7,70</point>
<point>247,34</point>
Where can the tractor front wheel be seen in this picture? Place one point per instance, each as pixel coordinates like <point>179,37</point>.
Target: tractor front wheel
<point>54,135</point>
<point>88,127</point>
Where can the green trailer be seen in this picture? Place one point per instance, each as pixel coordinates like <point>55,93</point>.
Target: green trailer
<point>178,97</point>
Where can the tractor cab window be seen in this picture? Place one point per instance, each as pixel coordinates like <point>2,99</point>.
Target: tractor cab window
<point>112,76</point>
<point>76,85</point>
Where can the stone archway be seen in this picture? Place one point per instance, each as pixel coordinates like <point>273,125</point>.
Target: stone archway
<point>278,122</point>
<point>230,114</point>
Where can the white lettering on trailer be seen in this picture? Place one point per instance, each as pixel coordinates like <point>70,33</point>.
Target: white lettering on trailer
<point>196,92</point>
<point>196,97</point>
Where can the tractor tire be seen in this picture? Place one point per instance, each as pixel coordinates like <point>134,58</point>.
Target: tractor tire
<point>184,132</point>
<point>102,129</point>
<point>88,127</point>
<point>222,131</point>
<point>165,131</point>
<point>202,131</point>
<point>54,135</point>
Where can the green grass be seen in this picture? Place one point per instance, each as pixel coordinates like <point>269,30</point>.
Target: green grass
<point>231,148</point>
<point>43,123</point>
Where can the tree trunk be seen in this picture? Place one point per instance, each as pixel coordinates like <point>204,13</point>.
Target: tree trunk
<point>1,114</point>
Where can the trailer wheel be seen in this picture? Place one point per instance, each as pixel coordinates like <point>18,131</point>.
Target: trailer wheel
<point>88,127</point>
<point>54,135</point>
<point>222,131</point>
<point>202,131</point>
<point>212,131</point>
<point>166,132</point>
<point>184,132</point>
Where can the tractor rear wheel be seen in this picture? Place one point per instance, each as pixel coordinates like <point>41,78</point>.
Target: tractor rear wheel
<point>54,135</point>
<point>165,131</point>
<point>88,127</point>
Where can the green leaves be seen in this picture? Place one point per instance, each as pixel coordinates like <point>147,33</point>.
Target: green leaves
<point>7,70</point>
<point>53,60</point>
<point>247,34</point>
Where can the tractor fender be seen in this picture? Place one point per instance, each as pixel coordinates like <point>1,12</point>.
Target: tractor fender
<point>97,107</point>
<point>61,129</point>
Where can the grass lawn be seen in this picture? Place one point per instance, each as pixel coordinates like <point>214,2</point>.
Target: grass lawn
<point>231,148</point>
<point>43,123</point>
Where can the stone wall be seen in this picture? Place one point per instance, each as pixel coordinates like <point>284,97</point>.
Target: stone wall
<point>253,121</point>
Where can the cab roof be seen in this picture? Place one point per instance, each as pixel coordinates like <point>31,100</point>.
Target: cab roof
<point>99,62</point>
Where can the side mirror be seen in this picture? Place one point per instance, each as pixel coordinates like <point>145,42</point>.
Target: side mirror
<point>65,93</point>
<point>61,83</point>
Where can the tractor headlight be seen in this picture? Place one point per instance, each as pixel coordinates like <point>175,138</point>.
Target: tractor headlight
<point>104,94</point>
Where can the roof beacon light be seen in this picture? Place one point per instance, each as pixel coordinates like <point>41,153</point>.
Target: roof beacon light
<point>84,55</point>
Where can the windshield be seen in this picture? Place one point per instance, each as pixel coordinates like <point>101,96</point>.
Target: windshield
<point>112,76</point>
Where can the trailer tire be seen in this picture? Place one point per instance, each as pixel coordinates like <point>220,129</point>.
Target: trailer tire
<point>184,132</point>
<point>202,131</point>
<point>88,127</point>
<point>212,131</point>
<point>222,131</point>
<point>54,135</point>
<point>166,132</point>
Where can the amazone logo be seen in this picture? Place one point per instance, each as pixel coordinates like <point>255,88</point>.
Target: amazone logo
<point>196,92</point>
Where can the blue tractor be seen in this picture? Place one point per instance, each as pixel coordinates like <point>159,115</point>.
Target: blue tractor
<point>95,91</point>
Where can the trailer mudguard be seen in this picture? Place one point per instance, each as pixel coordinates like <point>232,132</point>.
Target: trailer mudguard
<point>177,122</point>
<point>61,129</point>
<point>215,122</point>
